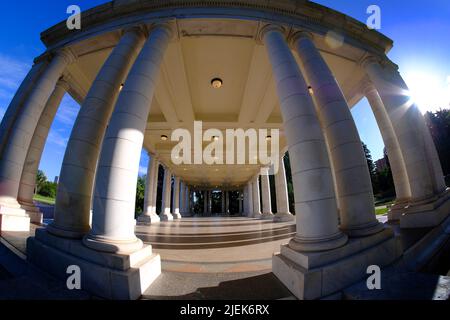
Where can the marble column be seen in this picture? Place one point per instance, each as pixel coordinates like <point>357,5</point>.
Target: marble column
<point>166,214</point>
<point>223,202</point>
<point>188,201</point>
<point>402,188</point>
<point>74,195</point>
<point>316,208</point>
<point>19,98</point>
<point>176,199</point>
<point>256,198</point>
<point>182,198</point>
<point>113,217</point>
<point>266,196</point>
<point>149,215</point>
<point>240,203</point>
<point>282,196</point>
<point>17,145</point>
<point>354,187</point>
<point>419,154</point>
<point>33,159</point>
<point>250,211</point>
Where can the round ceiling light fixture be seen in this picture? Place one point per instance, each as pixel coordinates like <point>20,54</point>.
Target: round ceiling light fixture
<point>164,137</point>
<point>216,83</point>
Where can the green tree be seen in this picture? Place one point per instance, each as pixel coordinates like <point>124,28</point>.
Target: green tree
<point>41,179</point>
<point>439,125</point>
<point>140,194</point>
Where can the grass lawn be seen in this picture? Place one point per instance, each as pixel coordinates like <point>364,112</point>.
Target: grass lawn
<point>44,200</point>
<point>381,211</point>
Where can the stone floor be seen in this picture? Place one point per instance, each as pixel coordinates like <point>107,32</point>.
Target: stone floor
<point>210,258</point>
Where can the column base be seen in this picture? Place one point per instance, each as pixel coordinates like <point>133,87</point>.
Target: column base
<point>148,219</point>
<point>13,218</point>
<point>257,215</point>
<point>364,230</point>
<point>56,230</point>
<point>283,217</point>
<point>110,276</point>
<point>112,246</point>
<point>267,216</point>
<point>314,275</point>
<point>176,216</point>
<point>316,245</point>
<point>33,212</point>
<point>396,210</point>
<point>166,217</point>
<point>426,214</point>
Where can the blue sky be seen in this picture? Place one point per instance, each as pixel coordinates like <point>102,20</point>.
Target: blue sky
<point>420,32</point>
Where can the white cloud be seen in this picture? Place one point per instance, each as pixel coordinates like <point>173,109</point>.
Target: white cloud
<point>68,111</point>
<point>142,171</point>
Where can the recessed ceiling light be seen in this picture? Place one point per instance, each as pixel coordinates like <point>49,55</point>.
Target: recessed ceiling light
<point>164,137</point>
<point>216,138</point>
<point>121,87</point>
<point>216,83</point>
<point>269,138</point>
<point>311,90</point>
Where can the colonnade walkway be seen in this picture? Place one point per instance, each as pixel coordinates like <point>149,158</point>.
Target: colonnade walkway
<point>211,258</point>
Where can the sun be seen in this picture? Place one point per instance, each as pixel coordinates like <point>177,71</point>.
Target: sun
<point>428,91</point>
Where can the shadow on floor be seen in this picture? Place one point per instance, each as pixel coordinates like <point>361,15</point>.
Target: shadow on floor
<point>184,286</point>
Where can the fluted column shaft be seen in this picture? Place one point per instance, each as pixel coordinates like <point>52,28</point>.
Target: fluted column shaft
<point>16,147</point>
<point>113,217</point>
<point>166,214</point>
<point>266,195</point>
<point>149,215</point>
<point>402,188</point>
<point>419,153</point>
<point>182,197</point>
<point>282,196</point>
<point>250,200</point>
<point>151,175</point>
<point>74,196</point>
<point>17,102</point>
<point>317,214</point>
<point>355,196</point>
<point>33,159</point>
<point>256,198</point>
<point>176,199</point>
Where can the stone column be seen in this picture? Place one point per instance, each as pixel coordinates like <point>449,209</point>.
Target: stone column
<point>266,197</point>
<point>16,147</point>
<point>176,199</point>
<point>396,160</point>
<point>182,198</point>
<point>19,98</point>
<point>223,202</point>
<point>250,200</point>
<point>421,164</point>
<point>149,215</point>
<point>244,198</point>
<point>317,214</point>
<point>74,196</point>
<point>188,201</point>
<point>205,202</point>
<point>114,210</point>
<point>282,196</point>
<point>33,159</point>
<point>166,215</point>
<point>256,198</point>
<point>240,203</point>
<point>354,187</point>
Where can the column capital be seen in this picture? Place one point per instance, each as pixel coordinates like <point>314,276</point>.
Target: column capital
<point>293,38</point>
<point>268,28</point>
<point>63,82</point>
<point>162,26</point>
<point>66,53</point>
<point>139,29</point>
<point>45,57</point>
